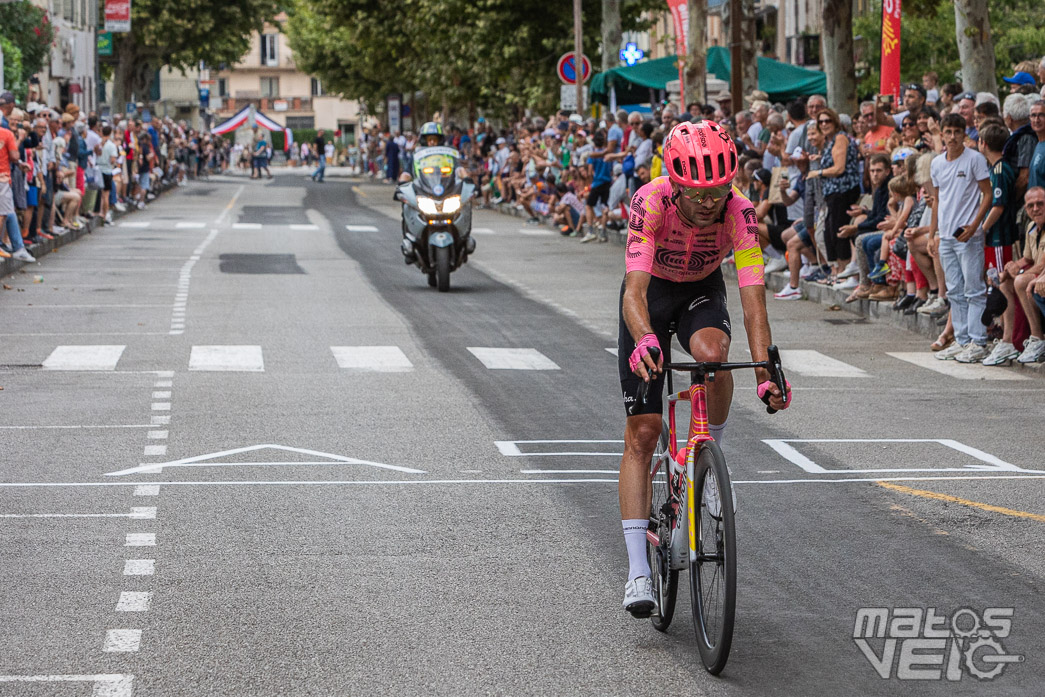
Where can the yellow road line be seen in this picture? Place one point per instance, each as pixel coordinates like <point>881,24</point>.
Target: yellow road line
<point>965,502</point>
<point>360,192</point>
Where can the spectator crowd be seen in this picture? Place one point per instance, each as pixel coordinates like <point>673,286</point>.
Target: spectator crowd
<point>933,205</point>
<point>60,167</point>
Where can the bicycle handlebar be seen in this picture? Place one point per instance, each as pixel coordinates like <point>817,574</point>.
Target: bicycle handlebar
<point>773,365</point>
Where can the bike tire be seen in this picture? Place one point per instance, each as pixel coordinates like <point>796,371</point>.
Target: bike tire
<point>713,583</point>
<point>665,579</point>
<point>442,269</point>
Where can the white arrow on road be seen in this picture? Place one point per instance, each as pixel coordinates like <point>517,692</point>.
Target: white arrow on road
<point>208,461</point>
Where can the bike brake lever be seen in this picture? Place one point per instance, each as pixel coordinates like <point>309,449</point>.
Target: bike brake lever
<point>654,353</point>
<point>776,371</point>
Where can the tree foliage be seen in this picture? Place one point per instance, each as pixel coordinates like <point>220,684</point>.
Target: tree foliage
<point>927,40</point>
<point>14,77</point>
<point>179,34</point>
<point>498,55</point>
<point>30,31</point>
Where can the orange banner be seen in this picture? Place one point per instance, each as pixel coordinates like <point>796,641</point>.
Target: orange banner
<point>890,80</point>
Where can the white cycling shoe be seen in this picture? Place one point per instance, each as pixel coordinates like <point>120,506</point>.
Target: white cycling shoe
<point>638,597</point>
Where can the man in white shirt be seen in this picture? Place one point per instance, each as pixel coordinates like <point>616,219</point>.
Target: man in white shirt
<point>961,194</point>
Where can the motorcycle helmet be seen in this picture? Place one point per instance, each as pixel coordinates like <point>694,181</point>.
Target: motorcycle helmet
<point>432,134</point>
<point>700,155</point>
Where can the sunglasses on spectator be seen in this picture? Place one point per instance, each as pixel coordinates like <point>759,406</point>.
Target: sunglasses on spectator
<point>909,124</point>
<point>824,121</point>
<point>710,193</point>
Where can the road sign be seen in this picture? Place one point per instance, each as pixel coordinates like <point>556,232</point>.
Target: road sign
<point>105,43</point>
<point>567,71</point>
<point>568,98</point>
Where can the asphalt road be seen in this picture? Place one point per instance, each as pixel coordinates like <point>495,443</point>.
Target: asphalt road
<point>209,488</point>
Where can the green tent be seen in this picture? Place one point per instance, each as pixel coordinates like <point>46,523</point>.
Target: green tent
<point>781,81</point>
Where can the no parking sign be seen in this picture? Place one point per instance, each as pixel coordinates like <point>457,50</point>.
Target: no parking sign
<point>567,68</point>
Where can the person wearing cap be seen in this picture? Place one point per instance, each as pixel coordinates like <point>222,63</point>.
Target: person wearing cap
<point>1021,79</point>
<point>7,105</point>
<point>756,96</point>
<point>913,101</point>
<point>966,102</point>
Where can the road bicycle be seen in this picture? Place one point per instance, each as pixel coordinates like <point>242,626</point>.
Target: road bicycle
<point>689,527</point>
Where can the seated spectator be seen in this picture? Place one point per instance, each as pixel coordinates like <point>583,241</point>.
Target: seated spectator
<point>864,227</point>
<point>1022,279</point>
<point>569,211</point>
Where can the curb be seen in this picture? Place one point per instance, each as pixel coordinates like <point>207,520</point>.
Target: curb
<point>618,237</point>
<point>39,249</point>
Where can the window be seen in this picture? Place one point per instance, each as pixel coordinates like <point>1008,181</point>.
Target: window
<point>223,87</point>
<point>67,10</point>
<point>270,87</point>
<point>269,49</point>
<point>317,88</point>
<point>295,122</point>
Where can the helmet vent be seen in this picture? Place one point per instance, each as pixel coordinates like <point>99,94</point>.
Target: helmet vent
<point>677,165</point>
<point>709,174</point>
<point>732,161</point>
<point>721,165</point>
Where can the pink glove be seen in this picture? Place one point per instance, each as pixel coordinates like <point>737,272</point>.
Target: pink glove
<point>763,393</point>
<point>642,348</point>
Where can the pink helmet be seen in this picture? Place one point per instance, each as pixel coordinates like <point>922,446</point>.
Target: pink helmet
<point>700,154</point>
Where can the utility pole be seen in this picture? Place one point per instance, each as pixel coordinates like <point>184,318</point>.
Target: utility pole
<point>736,52</point>
<point>578,55</point>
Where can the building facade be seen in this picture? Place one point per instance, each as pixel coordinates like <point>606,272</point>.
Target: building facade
<point>268,78</point>
<point>71,75</point>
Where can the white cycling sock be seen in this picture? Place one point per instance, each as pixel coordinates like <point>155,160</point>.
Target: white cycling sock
<point>635,538</point>
<point>718,432</point>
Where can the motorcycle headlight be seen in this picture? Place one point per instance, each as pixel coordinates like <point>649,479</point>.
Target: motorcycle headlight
<point>452,204</point>
<point>427,206</point>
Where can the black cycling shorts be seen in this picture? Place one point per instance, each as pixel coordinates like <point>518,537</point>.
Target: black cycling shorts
<point>690,307</point>
<point>599,194</point>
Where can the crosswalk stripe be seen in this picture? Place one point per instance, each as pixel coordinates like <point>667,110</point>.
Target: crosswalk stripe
<point>84,358</point>
<point>227,358</point>
<point>246,226</point>
<point>483,231</point>
<point>189,225</point>
<point>304,226</point>
<point>961,371</point>
<point>535,231</point>
<point>613,350</point>
<point>381,359</point>
<point>361,228</point>
<point>816,364</point>
<point>136,223</point>
<point>513,358</point>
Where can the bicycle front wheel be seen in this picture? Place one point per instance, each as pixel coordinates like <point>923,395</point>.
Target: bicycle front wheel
<point>665,579</point>
<point>713,576</point>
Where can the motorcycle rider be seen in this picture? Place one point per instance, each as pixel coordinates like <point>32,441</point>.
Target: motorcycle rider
<point>431,137</point>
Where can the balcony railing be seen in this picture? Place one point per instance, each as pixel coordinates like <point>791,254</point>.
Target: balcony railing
<point>266,104</point>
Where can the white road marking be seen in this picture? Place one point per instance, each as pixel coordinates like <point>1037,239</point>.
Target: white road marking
<point>612,350</point>
<point>163,383</point>
<point>816,364</point>
<point>161,406</point>
<point>105,685</point>
<point>161,395</point>
<point>569,471</point>
<point>122,640</point>
<point>158,435</point>
<point>227,358</point>
<point>134,601</point>
<point>991,463</point>
<point>140,539</point>
<point>512,358</point>
<point>231,204</point>
<point>304,226</point>
<point>147,490</point>
<point>187,225</point>
<point>139,567</point>
<point>135,224</point>
<point>954,369</point>
<point>361,228</point>
<point>164,373</point>
<point>51,427</point>
<point>246,226</point>
<point>155,450</point>
<point>483,231</point>
<point>161,420</point>
<point>510,448</point>
<point>84,358</point>
<point>535,231</point>
<point>382,359</point>
<point>208,460</point>
<point>140,513</point>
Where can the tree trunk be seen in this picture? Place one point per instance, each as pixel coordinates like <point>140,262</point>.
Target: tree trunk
<point>697,59</point>
<point>972,26</point>
<point>748,53</point>
<point>837,55</point>
<point>610,34</point>
<point>132,75</point>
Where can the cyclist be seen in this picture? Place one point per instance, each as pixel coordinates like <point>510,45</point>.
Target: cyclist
<point>682,226</point>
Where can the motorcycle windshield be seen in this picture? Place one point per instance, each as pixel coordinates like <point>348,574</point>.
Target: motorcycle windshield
<point>434,172</point>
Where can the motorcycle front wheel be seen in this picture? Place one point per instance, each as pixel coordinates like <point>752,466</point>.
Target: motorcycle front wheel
<point>442,269</point>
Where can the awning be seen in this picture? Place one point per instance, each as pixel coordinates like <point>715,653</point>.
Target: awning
<point>781,81</point>
<point>241,117</point>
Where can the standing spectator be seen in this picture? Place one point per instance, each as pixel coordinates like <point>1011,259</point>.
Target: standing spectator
<point>1036,176</point>
<point>840,174</point>
<point>913,101</point>
<point>599,196</point>
<point>961,198</point>
<point>320,149</point>
<point>930,80</point>
<point>879,128</point>
<point>1019,148</point>
<point>1026,273</point>
<point>966,102</point>
<point>391,158</point>
<point>106,161</point>
<point>8,159</point>
<point>776,141</point>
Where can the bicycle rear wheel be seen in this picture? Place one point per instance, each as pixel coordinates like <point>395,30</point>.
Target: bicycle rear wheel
<point>713,577</point>
<point>665,580</point>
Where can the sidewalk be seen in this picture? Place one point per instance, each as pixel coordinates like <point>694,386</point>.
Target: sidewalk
<point>39,249</point>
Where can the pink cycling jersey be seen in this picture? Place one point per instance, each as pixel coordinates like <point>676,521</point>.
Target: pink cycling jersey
<point>662,243</point>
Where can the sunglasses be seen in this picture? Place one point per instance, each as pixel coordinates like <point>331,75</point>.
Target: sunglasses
<point>824,121</point>
<point>909,124</point>
<point>710,193</point>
